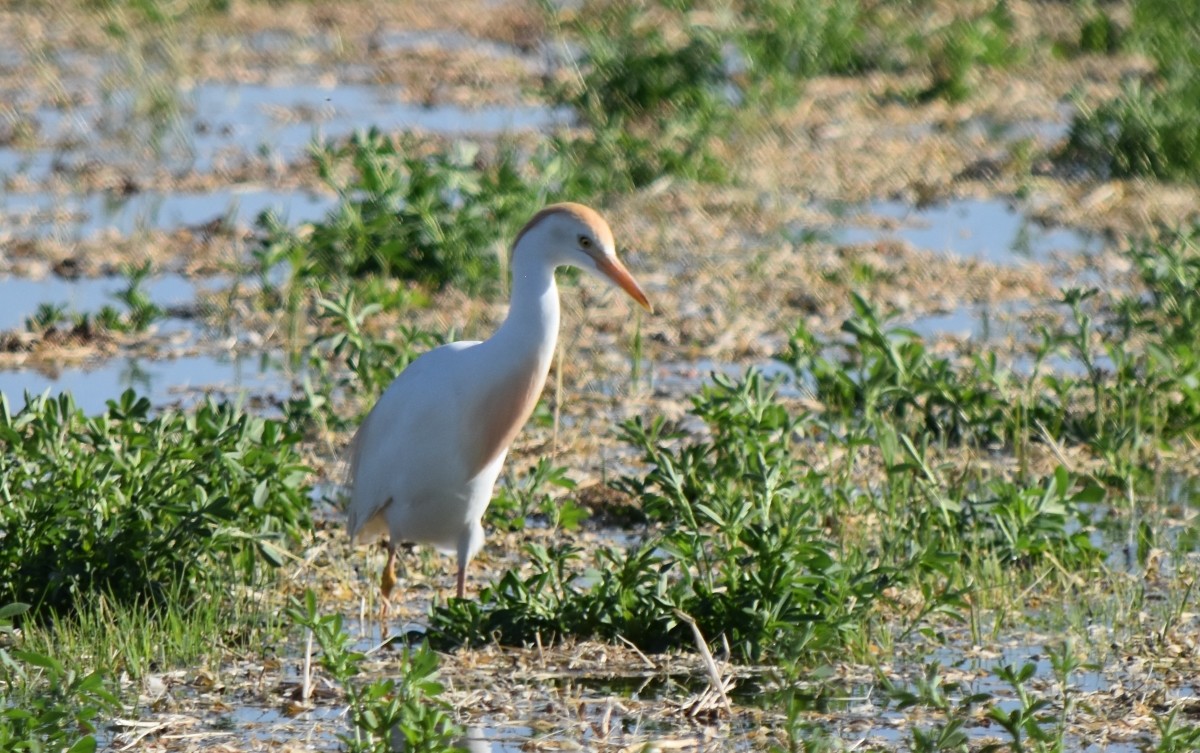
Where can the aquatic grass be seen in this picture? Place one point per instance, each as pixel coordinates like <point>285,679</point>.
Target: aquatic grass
<point>139,506</point>
<point>180,628</point>
<point>46,704</point>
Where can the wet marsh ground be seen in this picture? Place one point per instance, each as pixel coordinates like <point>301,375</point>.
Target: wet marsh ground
<point>982,486</point>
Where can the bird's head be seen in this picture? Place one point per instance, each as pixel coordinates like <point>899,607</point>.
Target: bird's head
<point>574,235</point>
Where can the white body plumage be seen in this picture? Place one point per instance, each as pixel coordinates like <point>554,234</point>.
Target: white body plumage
<point>425,460</point>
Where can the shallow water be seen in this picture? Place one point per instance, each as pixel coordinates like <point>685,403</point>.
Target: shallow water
<point>82,216</point>
<point>992,230</point>
<point>284,120</point>
<point>23,295</point>
<point>223,123</point>
<point>165,381</point>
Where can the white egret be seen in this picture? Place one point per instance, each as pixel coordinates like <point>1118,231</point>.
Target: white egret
<point>425,460</point>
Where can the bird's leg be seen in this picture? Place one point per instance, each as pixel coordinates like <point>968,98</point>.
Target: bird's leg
<point>387,581</point>
<point>462,581</point>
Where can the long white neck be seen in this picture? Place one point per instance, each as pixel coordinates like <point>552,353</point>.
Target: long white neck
<point>530,330</point>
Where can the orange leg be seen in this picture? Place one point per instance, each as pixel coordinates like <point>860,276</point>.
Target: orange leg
<point>388,580</point>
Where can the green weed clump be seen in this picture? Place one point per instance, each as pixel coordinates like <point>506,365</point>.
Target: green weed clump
<point>1100,34</point>
<point>44,703</point>
<point>346,360</point>
<point>139,314</point>
<point>662,84</point>
<point>1152,128</point>
<point>652,102</point>
<point>965,46</point>
<point>403,711</point>
<point>437,217</point>
<point>741,548</point>
<point>1136,390</point>
<point>786,41</point>
<point>517,502</point>
<point>138,506</point>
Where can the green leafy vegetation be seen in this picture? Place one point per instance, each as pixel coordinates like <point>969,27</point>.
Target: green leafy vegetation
<point>46,704</point>
<point>520,500</point>
<point>139,314</point>
<point>138,506</point>
<point>662,84</point>
<point>412,213</point>
<point>741,498</point>
<point>652,103</point>
<point>965,46</point>
<point>1152,128</point>
<point>1100,34</point>
<point>747,495</point>
<point>403,711</point>
<point>347,358</point>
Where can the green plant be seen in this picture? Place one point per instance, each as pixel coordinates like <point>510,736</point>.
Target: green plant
<point>141,311</point>
<point>1175,737</point>
<point>133,505</point>
<point>785,41</point>
<point>662,83</point>
<point>965,45</point>
<point>137,638</point>
<point>431,216</point>
<point>1149,129</point>
<point>742,550</point>
<point>46,315</point>
<point>888,373</point>
<point>1152,127</point>
<point>1024,722</point>
<point>345,358</point>
<point>518,501</point>
<point>403,711</point>
<point>1169,32</point>
<point>44,704</point>
<point>1100,33</point>
<point>1023,525</point>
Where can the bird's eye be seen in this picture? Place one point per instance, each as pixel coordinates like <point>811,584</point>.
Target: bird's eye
<point>585,242</point>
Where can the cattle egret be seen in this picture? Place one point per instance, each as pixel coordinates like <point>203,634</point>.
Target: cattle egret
<point>425,460</point>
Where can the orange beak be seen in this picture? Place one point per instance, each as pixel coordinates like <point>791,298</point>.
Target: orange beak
<point>616,271</point>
